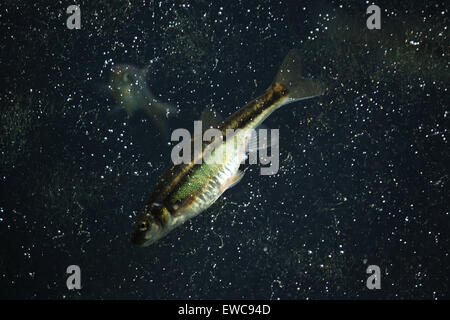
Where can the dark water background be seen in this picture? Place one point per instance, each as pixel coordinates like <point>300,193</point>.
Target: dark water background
<point>364,173</point>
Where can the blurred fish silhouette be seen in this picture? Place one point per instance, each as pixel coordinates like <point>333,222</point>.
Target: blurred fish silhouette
<point>131,93</point>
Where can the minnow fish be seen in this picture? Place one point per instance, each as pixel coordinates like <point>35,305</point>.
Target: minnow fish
<point>187,189</point>
<point>129,87</point>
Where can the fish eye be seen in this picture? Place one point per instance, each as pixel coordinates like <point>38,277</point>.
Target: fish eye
<point>143,225</point>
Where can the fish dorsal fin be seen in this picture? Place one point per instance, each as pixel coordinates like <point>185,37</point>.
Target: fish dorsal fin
<point>210,119</point>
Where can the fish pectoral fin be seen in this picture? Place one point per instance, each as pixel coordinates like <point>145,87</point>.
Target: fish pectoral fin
<point>232,181</point>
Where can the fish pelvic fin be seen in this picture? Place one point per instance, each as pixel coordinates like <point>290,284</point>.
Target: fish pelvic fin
<point>290,79</point>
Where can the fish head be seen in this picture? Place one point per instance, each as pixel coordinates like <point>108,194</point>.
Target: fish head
<point>151,225</point>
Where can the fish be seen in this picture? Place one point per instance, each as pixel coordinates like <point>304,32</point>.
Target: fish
<point>131,93</point>
<point>187,189</point>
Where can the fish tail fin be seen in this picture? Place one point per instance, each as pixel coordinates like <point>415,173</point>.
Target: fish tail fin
<point>289,77</point>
